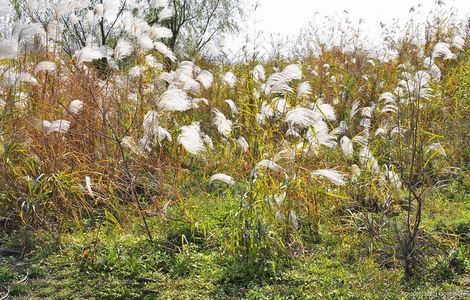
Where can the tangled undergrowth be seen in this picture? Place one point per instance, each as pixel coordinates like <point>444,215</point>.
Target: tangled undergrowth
<point>147,176</point>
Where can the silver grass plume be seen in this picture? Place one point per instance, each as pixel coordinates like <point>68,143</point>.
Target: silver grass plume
<point>223,178</point>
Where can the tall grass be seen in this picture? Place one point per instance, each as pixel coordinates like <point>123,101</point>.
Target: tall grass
<point>403,152</point>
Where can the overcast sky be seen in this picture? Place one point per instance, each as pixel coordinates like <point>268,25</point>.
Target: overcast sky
<point>295,13</point>
<point>289,16</point>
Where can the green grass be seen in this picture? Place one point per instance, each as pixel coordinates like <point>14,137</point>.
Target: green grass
<point>191,257</point>
<point>186,261</point>
<point>210,275</point>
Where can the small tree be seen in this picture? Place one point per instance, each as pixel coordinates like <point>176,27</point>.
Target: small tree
<point>195,23</point>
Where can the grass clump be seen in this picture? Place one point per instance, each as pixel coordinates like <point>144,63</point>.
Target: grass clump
<point>332,173</point>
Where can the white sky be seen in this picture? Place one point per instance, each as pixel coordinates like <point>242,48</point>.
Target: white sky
<point>289,16</point>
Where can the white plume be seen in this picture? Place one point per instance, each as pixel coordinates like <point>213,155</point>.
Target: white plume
<point>123,49</point>
<point>151,61</point>
<point>355,108</point>
<point>222,177</point>
<point>243,143</point>
<point>346,146</point>
<point>135,71</point>
<point>47,66</point>
<point>258,73</point>
<point>302,116</point>
<point>277,83</point>
<point>153,130</point>
<point>174,100</point>
<point>224,126</point>
<point>205,78</point>
<point>165,14</point>
<point>230,79</point>
<point>442,50</point>
<point>207,140</point>
<point>368,160</point>
<point>318,135</point>
<point>388,97</point>
<point>163,49</point>
<point>61,126</point>
<point>162,134</point>
<point>292,72</point>
<point>232,106</point>
<point>458,42</point>
<point>332,175</point>
<point>266,112</point>
<point>190,138</point>
<point>159,32</point>
<point>88,54</point>
<point>304,90</point>
<point>27,78</point>
<point>268,164</point>
<point>75,107</point>
<point>325,110</point>
<point>88,186</point>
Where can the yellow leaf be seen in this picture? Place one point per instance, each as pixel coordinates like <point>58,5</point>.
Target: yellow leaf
<point>336,195</point>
